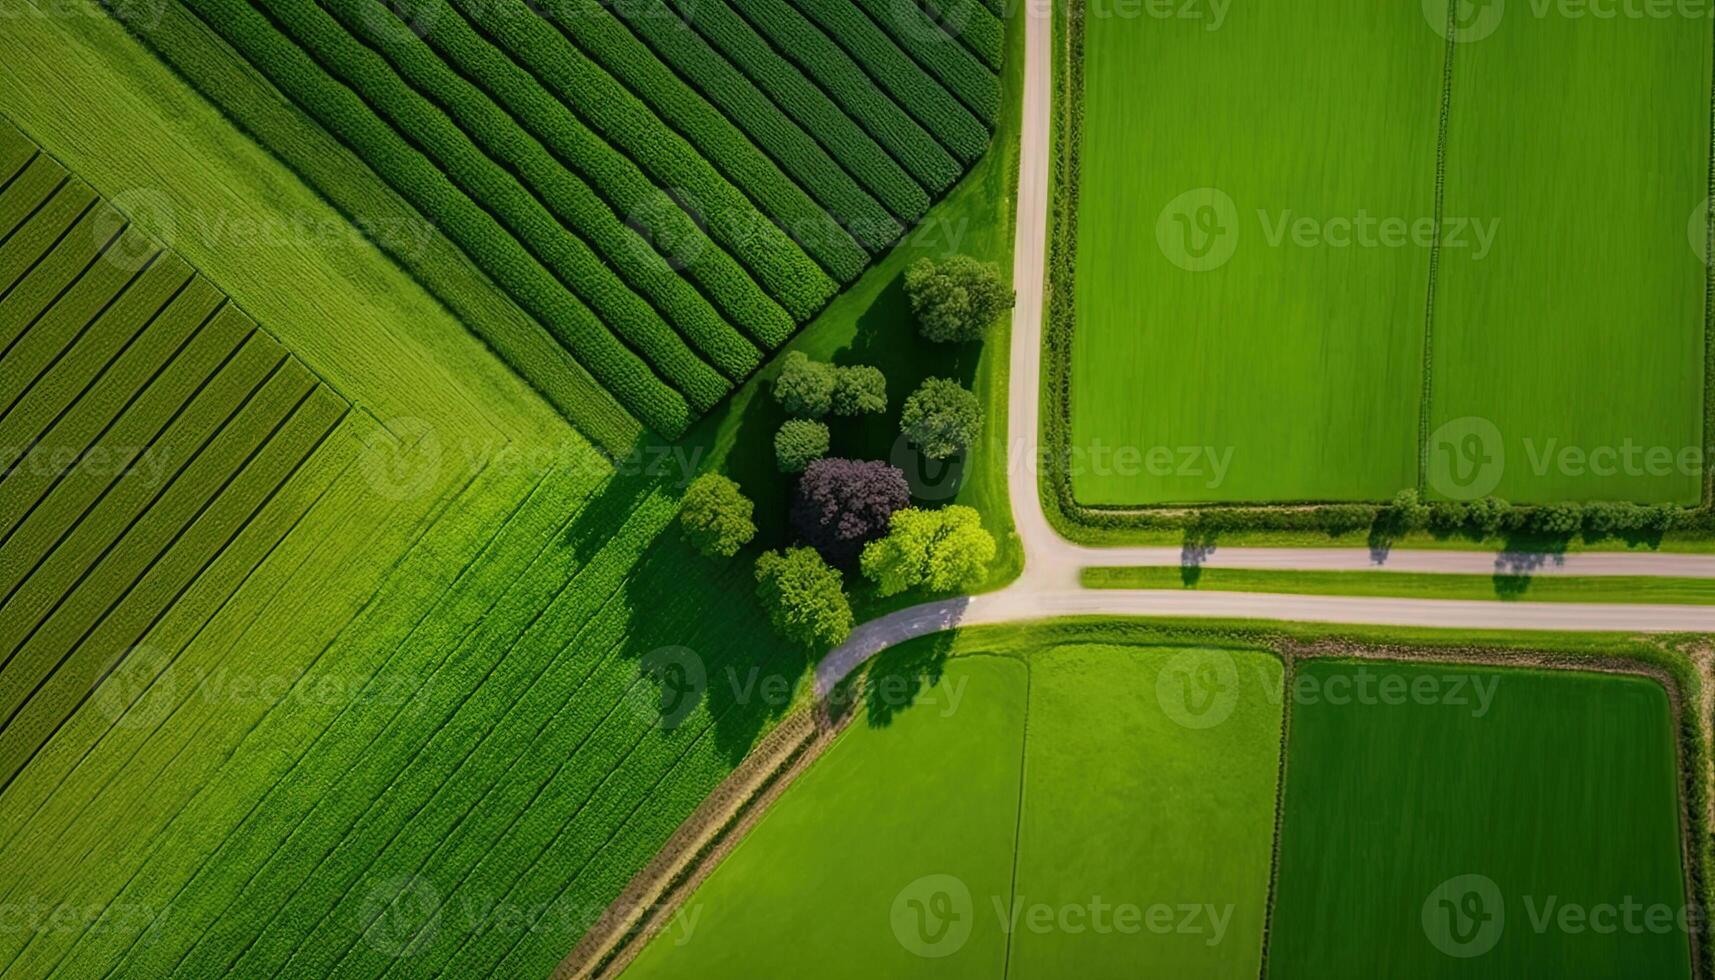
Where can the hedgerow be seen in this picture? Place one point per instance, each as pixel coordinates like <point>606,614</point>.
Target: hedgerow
<point>619,370</point>
<point>809,106</point>
<point>792,150</point>
<point>605,39</point>
<point>577,267</point>
<point>945,58</point>
<point>786,271</point>
<point>975,27</point>
<point>963,132</point>
<point>844,80</point>
<point>571,200</point>
<point>619,181</point>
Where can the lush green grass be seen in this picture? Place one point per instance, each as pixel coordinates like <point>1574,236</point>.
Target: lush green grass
<point>1302,363</point>
<point>1583,329</point>
<point>458,655</point>
<point>1126,802</point>
<point>826,869</point>
<point>1564,788</point>
<point>1544,588</point>
<point>878,813</point>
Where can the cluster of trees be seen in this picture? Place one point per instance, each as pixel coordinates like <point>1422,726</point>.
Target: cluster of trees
<point>853,515</point>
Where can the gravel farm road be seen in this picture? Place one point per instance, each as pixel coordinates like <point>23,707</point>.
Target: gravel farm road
<point>1049,586</point>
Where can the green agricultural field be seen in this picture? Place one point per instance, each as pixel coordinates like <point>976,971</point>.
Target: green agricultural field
<point>1420,835</point>
<point>1285,371</point>
<point>922,805</point>
<point>659,193</point>
<point>1257,266</point>
<point>1578,340</point>
<point>419,728</point>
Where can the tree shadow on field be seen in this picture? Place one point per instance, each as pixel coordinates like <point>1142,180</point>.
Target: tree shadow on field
<point>1511,586</point>
<point>678,600</point>
<point>899,675</point>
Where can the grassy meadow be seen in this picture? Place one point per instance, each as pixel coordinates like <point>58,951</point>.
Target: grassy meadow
<point>1557,788</point>
<point>984,778</point>
<point>1580,332</point>
<point>1254,273</point>
<point>1296,366</point>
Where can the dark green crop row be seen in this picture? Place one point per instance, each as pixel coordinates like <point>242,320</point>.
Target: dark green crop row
<point>616,178</point>
<point>791,149</point>
<point>789,275</point>
<point>945,58</point>
<point>824,61</point>
<point>971,22</point>
<point>809,106</point>
<point>925,98</point>
<point>605,39</point>
<point>484,181</point>
<point>620,370</point>
<point>572,201</point>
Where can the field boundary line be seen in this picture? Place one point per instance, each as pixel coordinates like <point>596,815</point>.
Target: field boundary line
<point>1018,816</point>
<point>1288,676</point>
<point>1427,364</point>
<point>1708,495</point>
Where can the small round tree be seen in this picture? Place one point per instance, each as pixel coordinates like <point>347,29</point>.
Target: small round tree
<point>941,418</point>
<point>843,504</point>
<point>799,443</point>
<point>715,516</point>
<point>944,550</point>
<point>955,301</point>
<point>804,388</point>
<point>858,389</point>
<point>804,597</point>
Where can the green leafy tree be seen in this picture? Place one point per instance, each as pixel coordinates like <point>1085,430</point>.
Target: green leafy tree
<point>941,418</point>
<point>804,388</point>
<point>1557,520</point>
<point>955,301</point>
<point>1406,513</point>
<point>943,550</point>
<point>804,596</point>
<point>1490,516</point>
<point>799,443</point>
<point>716,516</point>
<point>859,389</point>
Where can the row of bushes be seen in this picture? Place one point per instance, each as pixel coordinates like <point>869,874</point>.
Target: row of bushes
<point>607,41</point>
<point>615,178</point>
<point>961,131</point>
<point>972,82</point>
<point>971,22</point>
<point>618,369</point>
<point>577,206</point>
<point>795,280</point>
<point>571,260</point>
<point>791,149</point>
<point>810,107</point>
<point>845,82</point>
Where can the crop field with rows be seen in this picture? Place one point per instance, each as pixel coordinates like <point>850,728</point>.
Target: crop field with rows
<point>664,192</point>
